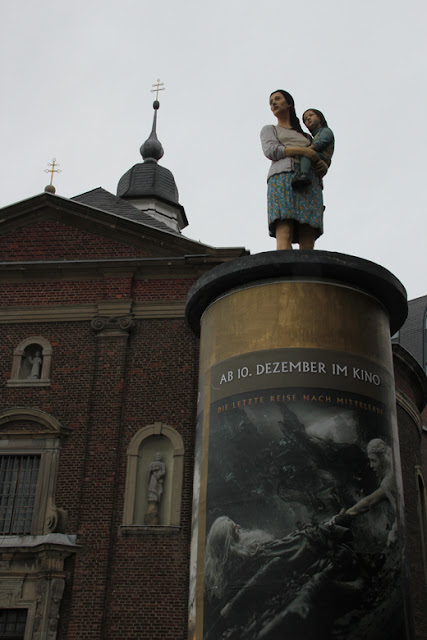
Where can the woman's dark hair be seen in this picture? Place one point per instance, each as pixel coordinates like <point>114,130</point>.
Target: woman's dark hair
<point>293,116</point>
<point>319,114</point>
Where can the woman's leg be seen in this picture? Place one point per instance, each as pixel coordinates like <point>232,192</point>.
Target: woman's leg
<point>307,236</point>
<point>284,230</point>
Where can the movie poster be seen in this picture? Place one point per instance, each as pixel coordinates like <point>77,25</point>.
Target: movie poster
<point>301,523</point>
<point>194,547</point>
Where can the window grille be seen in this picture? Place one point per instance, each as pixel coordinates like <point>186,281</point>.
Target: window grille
<point>18,482</point>
<point>12,624</point>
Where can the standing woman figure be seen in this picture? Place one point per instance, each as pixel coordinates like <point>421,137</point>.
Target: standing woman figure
<point>293,215</point>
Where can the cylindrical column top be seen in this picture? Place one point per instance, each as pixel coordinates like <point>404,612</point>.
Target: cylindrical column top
<point>346,270</point>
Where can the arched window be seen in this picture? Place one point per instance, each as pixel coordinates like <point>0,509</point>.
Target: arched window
<point>30,442</point>
<point>154,475</point>
<point>31,363</point>
<point>422,516</point>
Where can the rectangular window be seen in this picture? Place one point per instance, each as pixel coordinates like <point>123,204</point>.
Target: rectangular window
<point>18,482</point>
<point>12,624</point>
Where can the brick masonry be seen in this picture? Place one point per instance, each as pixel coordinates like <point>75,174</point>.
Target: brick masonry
<point>53,240</point>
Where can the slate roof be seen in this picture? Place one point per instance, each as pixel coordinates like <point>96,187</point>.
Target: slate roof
<point>148,179</point>
<point>102,199</point>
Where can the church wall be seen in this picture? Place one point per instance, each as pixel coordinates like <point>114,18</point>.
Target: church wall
<point>410,399</point>
<point>53,240</point>
<point>409,438</point>
<point>61,292</point>
<point>131,577</point>
<point>410,386</point>
<point>151,570</point>
<point>161,289</point>
<point>105,385</point>
<point>67,398</point>
<point>424,444</point>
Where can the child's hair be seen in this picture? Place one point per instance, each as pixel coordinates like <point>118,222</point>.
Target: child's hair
<point>318,113</point>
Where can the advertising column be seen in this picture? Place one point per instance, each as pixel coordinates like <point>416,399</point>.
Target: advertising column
<point>297,520</point>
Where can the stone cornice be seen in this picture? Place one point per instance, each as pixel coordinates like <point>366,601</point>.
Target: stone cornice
<point>189,266</point>
<point>85,312</point>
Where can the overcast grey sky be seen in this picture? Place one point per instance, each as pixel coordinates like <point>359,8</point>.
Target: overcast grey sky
<point>76,80</point>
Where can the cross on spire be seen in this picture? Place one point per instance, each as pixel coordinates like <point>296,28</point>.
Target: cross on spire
<point>53,170</point>
<point>157,88</point>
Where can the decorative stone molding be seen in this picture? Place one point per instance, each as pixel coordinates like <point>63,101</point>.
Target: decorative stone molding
<point>85,312</point>
<point>422,515</point>
<point>403,401</point>
<point>25,414</point>
<point>174,479</point>
<point>112,325</point>
<point>34,579</point>
<point>17,379</point>
<point>11,590</point>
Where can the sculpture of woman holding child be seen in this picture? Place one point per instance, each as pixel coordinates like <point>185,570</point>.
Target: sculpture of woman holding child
<point>295,202</point>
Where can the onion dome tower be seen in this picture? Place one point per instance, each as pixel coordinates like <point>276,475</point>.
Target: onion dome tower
<point>150,187</point>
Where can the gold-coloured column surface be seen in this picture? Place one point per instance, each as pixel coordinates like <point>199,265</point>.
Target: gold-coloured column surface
<point>291,314</point>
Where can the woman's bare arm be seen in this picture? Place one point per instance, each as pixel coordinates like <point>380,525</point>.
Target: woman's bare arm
<point>365,504</point>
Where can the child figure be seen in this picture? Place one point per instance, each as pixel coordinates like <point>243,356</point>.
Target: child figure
<point>323,143</point>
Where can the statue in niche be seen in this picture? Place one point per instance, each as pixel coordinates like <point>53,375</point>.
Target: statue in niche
<point>156,475</point>
<point>36,365</point>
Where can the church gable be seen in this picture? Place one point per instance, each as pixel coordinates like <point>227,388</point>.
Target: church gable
<point>53,240</point>
<point>49,227</point>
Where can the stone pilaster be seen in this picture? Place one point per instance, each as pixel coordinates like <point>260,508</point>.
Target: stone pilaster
<point>111,333</point>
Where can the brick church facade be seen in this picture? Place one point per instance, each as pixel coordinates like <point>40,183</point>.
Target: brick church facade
<point>99,374</point>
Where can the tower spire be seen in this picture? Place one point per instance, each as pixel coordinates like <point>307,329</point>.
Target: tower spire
<point>150,187</point>
<point>152,150</point>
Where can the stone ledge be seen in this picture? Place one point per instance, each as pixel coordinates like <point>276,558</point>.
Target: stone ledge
<point>29,541</point>
<point>85,312</point>
<point>28,383</point>
<point>142,529</point>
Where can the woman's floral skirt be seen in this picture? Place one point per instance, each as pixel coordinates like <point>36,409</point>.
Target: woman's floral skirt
<point>304,206</point>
